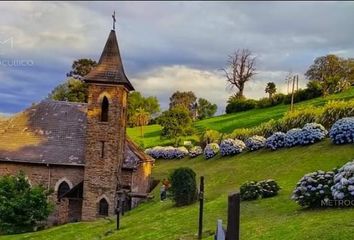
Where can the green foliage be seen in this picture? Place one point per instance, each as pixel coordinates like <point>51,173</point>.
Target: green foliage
<point>240,105</point>
<point>210,136</point>
<point>22,207</point>
<point>186,100</point>
<point>298,118</point>
<point>271,89</point>
<point>269,188</point>
<point>183,186</point>
<point>137,101</point>
<point>332,72</point>
<point>205,109</point>
<point>242,133</point>
<point>335,110</point>
<point>304,94</point>
<point>175,123</point>
<point>81,67</point>
<point>72,90</point>
<point>250,191</point>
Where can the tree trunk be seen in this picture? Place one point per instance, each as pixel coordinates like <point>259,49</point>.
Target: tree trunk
<point>141,131</point>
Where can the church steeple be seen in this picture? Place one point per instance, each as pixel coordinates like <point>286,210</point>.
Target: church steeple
<point>110,67</point>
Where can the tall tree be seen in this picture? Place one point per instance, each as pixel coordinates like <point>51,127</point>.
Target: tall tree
<point>136,101</point>
<point>141,118</point>
<point>73,89</point>
<point>271,89</point>
<point>185,99</point>
<point>240,69</point>
<point>332,72</point>
<point>205,108</point>
<point>81,67</point>
<point>175,123</point>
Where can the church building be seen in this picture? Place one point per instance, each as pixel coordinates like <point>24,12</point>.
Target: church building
<point>80,150</point>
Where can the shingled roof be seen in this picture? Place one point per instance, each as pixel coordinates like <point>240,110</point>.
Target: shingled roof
<point>110,67</point>
<point>53,132</point>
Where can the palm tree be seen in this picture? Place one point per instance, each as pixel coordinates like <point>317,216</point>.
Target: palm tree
<point>270,89</point>
<point>141,118</point>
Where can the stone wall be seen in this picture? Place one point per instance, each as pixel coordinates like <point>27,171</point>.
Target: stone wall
<point>101,173</point>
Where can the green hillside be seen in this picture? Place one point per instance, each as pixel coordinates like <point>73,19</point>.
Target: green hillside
<point>228,122</point>
<point>273,218</point>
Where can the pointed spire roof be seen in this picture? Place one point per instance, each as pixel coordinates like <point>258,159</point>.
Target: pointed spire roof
<point>109,69</point>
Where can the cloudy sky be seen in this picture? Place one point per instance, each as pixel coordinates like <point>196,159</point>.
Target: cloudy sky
<point>166,46</point>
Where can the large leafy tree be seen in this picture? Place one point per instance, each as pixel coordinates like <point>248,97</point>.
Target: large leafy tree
<point>175,123</point>
<point>22,207</point>
<point>186,100</point>
<point>240,69</point>
<point>137,101</point>
<point>205,108</point>
<point>74,89</point>
<point>271,89</point>
<point>332,72</point>
<point>141,118</point>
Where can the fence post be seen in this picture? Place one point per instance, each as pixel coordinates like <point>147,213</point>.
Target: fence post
<point>201,206</point>
<point>233,217</point>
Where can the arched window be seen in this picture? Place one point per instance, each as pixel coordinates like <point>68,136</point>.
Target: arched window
<point>104,110</point>
<point>62,189</point>
<point>103,207</point>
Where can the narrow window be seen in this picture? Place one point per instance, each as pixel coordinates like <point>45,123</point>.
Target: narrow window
<point>103,207</point>
<point>102,149</point>
<point>104,110</point>
<point>62,189</point>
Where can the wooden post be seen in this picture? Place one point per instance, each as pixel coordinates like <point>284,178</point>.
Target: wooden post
<point>201,207</point>
<point>292,95</point>
<point>297,82</point>
<point>233,217</point>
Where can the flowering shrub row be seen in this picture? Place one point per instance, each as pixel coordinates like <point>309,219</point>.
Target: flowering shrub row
<point>195,151</point>
<point>255,143</point>
<point>211,150</point>
<point>253,190</point>
<point>277,140</point>
<point>231,147</point>
<point>342,131</point>
<point>343,188</point>
<point>167,152</point>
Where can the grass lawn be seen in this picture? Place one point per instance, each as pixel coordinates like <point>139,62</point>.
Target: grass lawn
<point>274,218</point>
<point>228,122</point>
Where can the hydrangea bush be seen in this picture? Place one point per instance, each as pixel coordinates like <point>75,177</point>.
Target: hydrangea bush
<point>231,147</point>
<point>167,152</point>
<point>342,131</point>
<point>250,191</point>
<point>343,188</point>
<point>268,188</point>
<point>211,150</point>
<point>311,133</point>
<point>293,137</point>
<point>313,188</point>
<point>255,142</point>
<point>195,151</point>
<point>277,140</point>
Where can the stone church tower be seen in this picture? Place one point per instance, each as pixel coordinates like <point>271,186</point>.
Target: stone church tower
<point>108,87</point>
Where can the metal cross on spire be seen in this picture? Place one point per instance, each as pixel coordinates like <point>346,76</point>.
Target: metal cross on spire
<point>114,20</point>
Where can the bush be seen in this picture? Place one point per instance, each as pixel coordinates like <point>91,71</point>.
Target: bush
<point>335,110</point>
<point>311,133</point>
<point>277,140</point>
<point>183,186</point>
<point>268,188</point>
<point>266,129</point>
<point>231,147</point>
<point>298,118</point>
<point>167,152</point>
<point>211,150</point>
<point>250,191</point>
<point>343,188</point>
<point>240,105</point>
<point>293,137</point>
<point>242,133</point>
<point>342,131</point>
<point>195,151</point>
<point>22,207</point>
<point>210,136</point>
<point>256,142</point>
<point>314,188</point>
